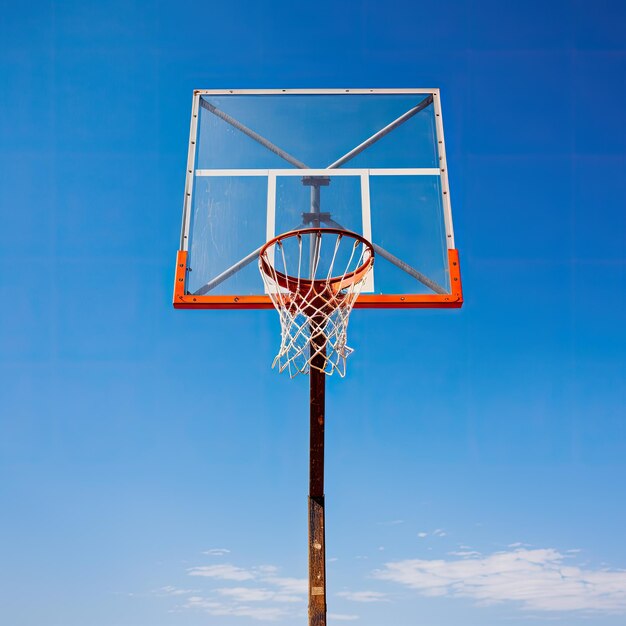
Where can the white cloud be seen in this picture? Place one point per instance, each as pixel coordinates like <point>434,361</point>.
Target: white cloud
<point>340,617</point>
<point>264,595</point>
<point>174,591</point>
<point>217,608</point>
<point>363,596</point>
<point>252,594</point>
<point>289,585</point>
<point>464,553</point>
<point>438,532</point>
<point>223,572</point>
<point>217,552</point>
<point>537,579</point>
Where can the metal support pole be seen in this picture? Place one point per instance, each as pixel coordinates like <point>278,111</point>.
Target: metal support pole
<point>315,223</point>
<point>317,545</point>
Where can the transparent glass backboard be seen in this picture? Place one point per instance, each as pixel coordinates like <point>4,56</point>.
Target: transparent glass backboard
<point>262,163</point>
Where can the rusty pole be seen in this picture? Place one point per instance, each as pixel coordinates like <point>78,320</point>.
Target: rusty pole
<point>317,382</point>
<point>317,547</point>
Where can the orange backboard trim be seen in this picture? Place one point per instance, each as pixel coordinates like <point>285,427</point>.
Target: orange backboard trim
<point>453,300</point>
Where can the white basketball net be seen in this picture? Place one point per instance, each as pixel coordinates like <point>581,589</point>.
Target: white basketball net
<point>314,308</point>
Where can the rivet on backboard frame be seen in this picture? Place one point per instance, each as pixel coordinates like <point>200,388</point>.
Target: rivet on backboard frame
<point>236,299</point>
<point>180,280</point>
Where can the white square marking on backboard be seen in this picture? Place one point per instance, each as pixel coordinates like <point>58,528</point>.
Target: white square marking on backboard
<point>366,216</point>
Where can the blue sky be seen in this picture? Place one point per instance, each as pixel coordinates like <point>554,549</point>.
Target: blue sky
<point>153,468</point>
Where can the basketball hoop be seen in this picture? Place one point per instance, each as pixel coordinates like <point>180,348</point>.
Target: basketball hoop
<point>314,296</point>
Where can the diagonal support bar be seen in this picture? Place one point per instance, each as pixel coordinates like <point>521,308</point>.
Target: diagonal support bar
<point>266,143</point>
<point>381,133</point>
<point>431,284</point>
<point>405,267</point>
<point>233,269</point>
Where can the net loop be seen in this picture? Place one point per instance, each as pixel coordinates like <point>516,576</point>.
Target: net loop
<point>313,277</point>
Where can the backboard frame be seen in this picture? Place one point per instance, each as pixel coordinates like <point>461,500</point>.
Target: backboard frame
<point>182,299</point>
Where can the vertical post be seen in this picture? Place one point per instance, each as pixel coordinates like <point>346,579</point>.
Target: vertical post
<point>317,545</point>
<point>315,223</point>
<point>317,381</point>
